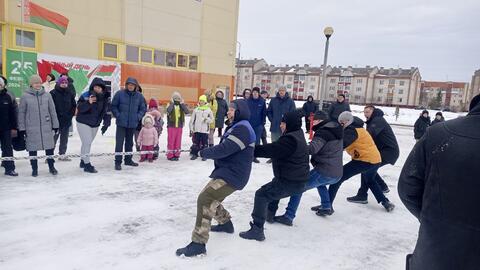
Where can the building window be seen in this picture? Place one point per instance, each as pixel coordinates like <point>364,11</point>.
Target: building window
<point>359,89</point>
<point>341,79</point>
<point>400,100</point>
<point>402,83</point>
<point>332,88</point>
<point>380,90</point>
<point>391,82</point>
<point>289,79</point>
<point>380,82</point>
<point>132,54</point>
<point>331,96</point>
<point>301,78</point>
<point>193,62</point>
<point>246,77</point>
<point>312,79</point>
<point>332,80</point>
<point>359,80</point>
<point>400,91</point>
<point>347,87</point>
<point>348,79</point>
<point>146,56</point>
<point>110,50</point>
<point>312,87</point>
<point>182,61</point>
<point>171,59</point>
<point>379,99</point>
<point>159,58</point>
<point>289,86</point>
<point>24,38</point>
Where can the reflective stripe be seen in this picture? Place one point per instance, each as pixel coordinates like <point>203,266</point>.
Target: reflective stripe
<point>237,141</point>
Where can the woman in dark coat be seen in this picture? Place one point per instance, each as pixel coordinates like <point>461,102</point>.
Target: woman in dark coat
<point>421,125</point>
<point>222,109</point>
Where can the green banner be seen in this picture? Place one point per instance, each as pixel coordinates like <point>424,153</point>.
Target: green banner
<point>20,66</point>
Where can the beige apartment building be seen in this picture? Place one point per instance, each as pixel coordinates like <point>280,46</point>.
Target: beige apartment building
<point>453,95</point>
<point>474,86</point>
<point>181,45</point>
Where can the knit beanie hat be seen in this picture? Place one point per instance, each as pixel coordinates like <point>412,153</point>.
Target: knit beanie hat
<point>202,98</point>
<point>176,96</point>
<point>152,103</point>
<point>320,115</point>
<point>62,80</point>
<point>147,119</point>
<point>35,79</point>
<point>346,118</point>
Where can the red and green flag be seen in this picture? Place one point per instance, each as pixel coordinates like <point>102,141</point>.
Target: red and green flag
<point>34,13</point>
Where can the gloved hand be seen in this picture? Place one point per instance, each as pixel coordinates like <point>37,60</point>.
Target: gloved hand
<point>104,129</point>
<point>22,133</point>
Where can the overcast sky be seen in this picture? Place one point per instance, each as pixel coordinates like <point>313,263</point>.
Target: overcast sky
<point>441,37</point>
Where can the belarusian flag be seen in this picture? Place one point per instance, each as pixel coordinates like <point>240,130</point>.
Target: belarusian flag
<point>34,13</point>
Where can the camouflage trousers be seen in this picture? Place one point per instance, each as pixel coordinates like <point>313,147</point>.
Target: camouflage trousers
<point>209,205</point>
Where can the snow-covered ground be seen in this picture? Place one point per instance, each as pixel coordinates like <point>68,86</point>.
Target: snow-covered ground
<point>138,217</point>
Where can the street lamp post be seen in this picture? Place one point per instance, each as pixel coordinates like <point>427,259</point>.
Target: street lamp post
<point>328,31</point>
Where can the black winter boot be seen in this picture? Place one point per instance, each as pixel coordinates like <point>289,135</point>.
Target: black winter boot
<point>51,167</point>
<point>357,199</point>
<point>82,164</point>
<point>131,163</point>
<point>283,220</point>
<point>226,227</point>
<point>34,164</point>
<point>192,249</point>
<point>89,168</point>
<point>388,206</point>
<point>118,166</point>
<point>323,212</point>
<point>270,217</point>
<point>255,233</point>
<point>11,173</point>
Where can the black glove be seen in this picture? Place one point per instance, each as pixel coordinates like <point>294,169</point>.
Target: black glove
<point>55,130</point>
<point>22,134</point>
<point>104,129</point>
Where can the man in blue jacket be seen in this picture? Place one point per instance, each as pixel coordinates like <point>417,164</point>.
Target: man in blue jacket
<point>279,105</point>
<point>258,114</point>
<point>233,164</point>
<point>128,107</point>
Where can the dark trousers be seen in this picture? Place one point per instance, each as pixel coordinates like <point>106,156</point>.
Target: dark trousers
<point>353,168</point>
<point>7,149</point>
<point>268,197</point>
<point>63,133</point>
<point>124,136</point>
<point>220,132</point>
<point>258,134</point>
<point>200,141</point>
<point>264,136</point>
<point>307,124</point>
<point>363,190</point>
<point>34,162</point>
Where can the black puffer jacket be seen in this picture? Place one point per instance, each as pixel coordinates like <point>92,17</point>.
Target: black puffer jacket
<point>290,153</point>
<point>337,108</point>
<point>384,137</point>
<point>93,114</point>
<point>8,111</point>
<point>309,106</point>
<point>421,126</point>
<point>440,185</point>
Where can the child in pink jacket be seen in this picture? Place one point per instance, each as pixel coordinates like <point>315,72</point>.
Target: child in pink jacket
<point>148,137</point>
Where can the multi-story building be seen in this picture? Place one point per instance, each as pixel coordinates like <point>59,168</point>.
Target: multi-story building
<point>245,70</point>
<point>364,85</point>
<point>181,45</point>
<point>474,86</point>
<point>444,95</point>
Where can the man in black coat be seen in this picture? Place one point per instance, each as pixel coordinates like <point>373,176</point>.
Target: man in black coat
<point>290,163</point>
<point>65,106</point>
<point>421,125</point>
<point>439,185</point>
<point>338,107</point>
<point>309,108</point>
<point>8,126</point>
<point>386,143</point>
<point>438,118</point>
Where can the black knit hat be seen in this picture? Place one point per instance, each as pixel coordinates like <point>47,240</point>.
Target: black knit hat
<point>439,113</point>
<point>320,115</point>
<point>293,120</point>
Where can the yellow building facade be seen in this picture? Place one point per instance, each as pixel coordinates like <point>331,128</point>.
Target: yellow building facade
<point>181,45</point>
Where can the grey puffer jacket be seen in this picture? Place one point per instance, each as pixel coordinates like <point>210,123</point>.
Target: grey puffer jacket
<point>326,149</point>
<point>37,116</point>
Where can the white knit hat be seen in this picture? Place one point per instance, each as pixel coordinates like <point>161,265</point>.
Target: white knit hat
<point>147,119</point>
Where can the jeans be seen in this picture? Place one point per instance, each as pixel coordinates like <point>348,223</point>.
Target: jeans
<point>268,196</point>
<point>355,167</point>
<point>124,135</point>
<point>63,133</point>
<point>316,180</point>
<point>363,190</point>
<point>258,134</point>
<point>86,134</point>
<point>7,149</point>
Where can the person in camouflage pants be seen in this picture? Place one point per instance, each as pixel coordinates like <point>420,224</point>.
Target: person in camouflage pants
<point>233,163</point>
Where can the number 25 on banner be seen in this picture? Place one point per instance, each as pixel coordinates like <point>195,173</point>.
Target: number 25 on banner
<point>17,66</point>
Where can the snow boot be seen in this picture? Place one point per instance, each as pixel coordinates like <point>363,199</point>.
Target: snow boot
<point>270,217</point>
<point>118,166</point>
<point>255,233</point>
<point>131,163</point>
<point>323,212</point>
<point>89,168</point>
<point>11,173</point>
<point>385,190</point>
<point>316,207</point>
<point>191,250</point>
<point>51,167</point>
<point>283,220</point>
<point>193,157</point>
<point>82,164</point>
<point>357,199</point>
<point>226,227</point>
<point>34,164</point>
<point>388,206</point>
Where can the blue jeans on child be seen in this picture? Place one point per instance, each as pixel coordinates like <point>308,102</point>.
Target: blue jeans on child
<point>316,180</point>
